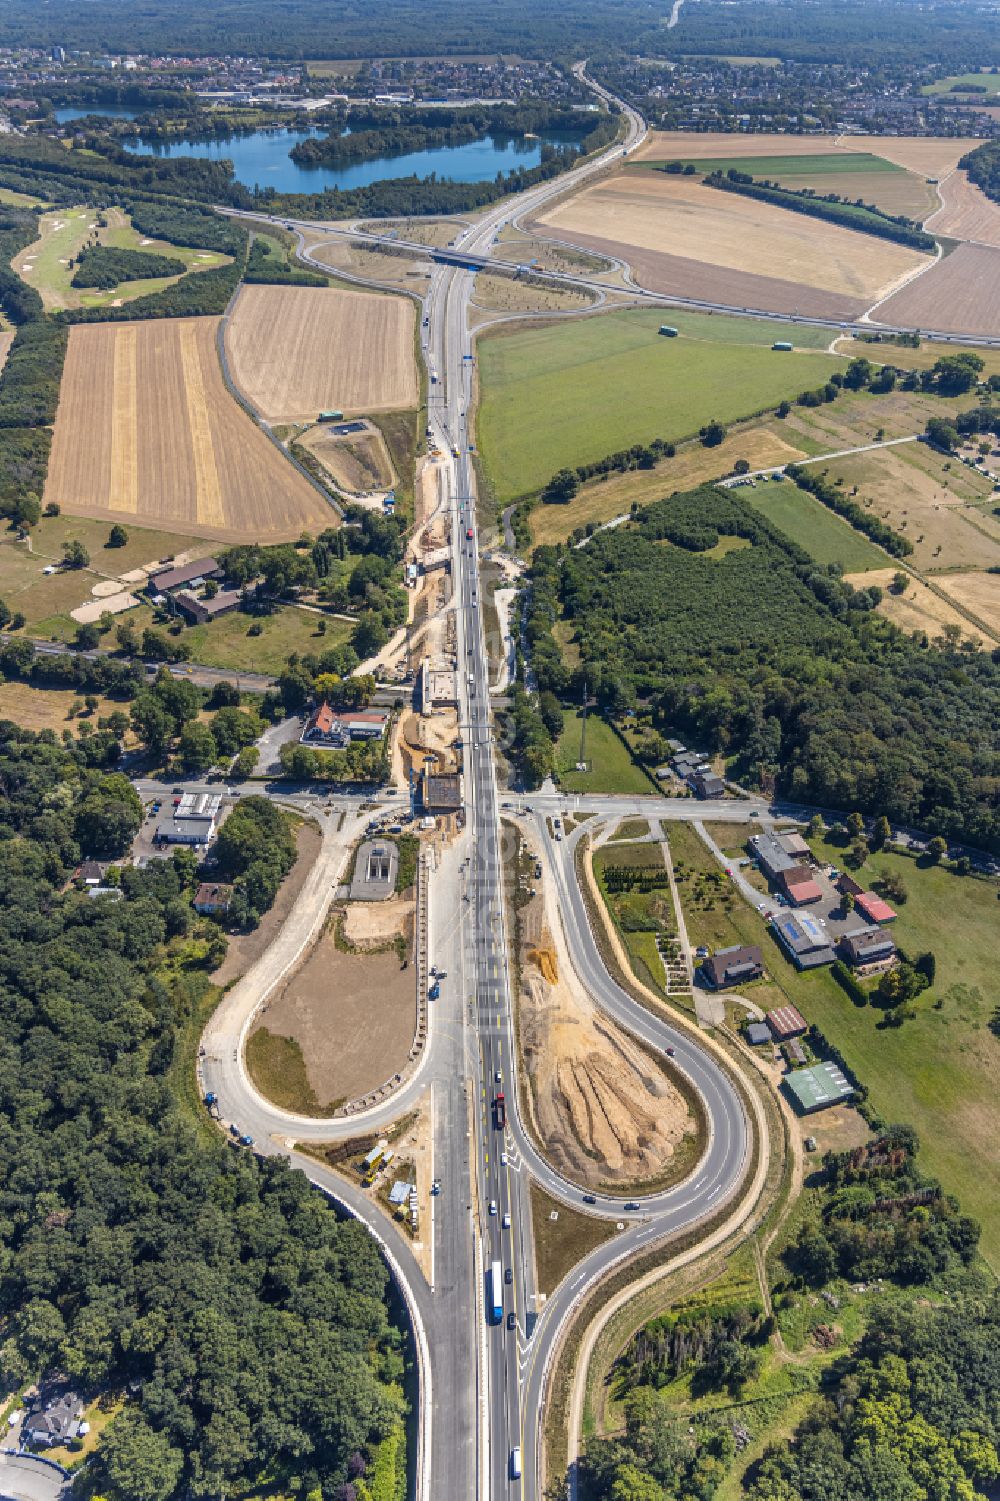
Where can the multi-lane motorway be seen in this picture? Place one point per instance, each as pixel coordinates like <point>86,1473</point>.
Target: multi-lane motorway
<point>482,1380</point>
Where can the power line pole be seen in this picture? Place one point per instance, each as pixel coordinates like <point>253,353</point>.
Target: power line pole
<point>583,728</point>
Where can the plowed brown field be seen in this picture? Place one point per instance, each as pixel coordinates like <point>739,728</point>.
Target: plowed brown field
<point>960,295</point>
<point>146,431</point>
<point>967,213</point>
<point>297,351</point>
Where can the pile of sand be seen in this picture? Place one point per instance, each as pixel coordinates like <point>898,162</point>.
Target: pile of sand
<point>605,1111</point>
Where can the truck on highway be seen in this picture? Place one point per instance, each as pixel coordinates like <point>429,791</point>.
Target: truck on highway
<point>496,1293</point>
<point>499,1110</point>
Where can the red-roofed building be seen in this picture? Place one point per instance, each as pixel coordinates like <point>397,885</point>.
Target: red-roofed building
<point>874,908</point>
<point>785,1022</point>
<point>798,885</point>
<point>328,727</point>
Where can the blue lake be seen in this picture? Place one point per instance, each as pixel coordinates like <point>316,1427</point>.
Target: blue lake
<point>111,111</point>
<point>261,159</point>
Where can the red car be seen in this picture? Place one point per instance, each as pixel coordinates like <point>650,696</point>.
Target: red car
<point>468,533</point>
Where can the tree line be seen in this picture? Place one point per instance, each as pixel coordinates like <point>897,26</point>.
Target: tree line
<point>104,266</point>
<point>860,216</point>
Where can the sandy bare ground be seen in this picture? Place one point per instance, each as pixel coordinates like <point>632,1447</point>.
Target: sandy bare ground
<point>603,1109</point>
<point>147,432</point>
<point>961,294</point>
<point>371,924</point>
<point>353,1016</point>
<point>918,608</point>
<point>6,340</point>
<point>967,213</point>
<point>979,593</point>
<point>297,351</point>
<point>357,464</point>
<point>680,217</point>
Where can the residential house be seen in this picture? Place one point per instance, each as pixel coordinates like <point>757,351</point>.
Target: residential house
<point>707,784</point>
<point>54,1421</point>
<point>212,898</point>
<point>335,728</point>
<point>733,966</point>
<point>867,946</point>
<point>758,1035</point>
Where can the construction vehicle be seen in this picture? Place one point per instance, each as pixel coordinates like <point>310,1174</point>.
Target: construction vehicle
<point>212,1106</point>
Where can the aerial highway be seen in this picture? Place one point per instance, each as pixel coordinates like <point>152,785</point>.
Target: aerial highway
<point>482,1376</point>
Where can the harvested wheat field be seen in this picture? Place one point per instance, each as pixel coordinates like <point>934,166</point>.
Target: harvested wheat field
<point>681,236</point>
<point>356,464</point>
<point>960,295</point>
<point>605,1112</point>
<point>918,608</point>
<point>979,593</point>
<point>931,156</point>
<point>967,213</point>
<point>686,145</point>
<point>147,432</point>
<point>297,351</point>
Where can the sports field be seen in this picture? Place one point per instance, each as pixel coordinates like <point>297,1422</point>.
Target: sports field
<point>297,351</point>
<point>683,237</point>
<point>45,265</point>
<point>147,432</point>
<point>572,392</point>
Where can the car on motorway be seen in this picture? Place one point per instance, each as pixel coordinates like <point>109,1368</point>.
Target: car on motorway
<point>670,1052</point>
<point>512,1320</point>
<point>493,1206</point>
<point>498,1076</point>
<point>503,1159</point>
<point>506,1221</point>
<point>631,1206</point>
<point>590,1198</point>
<point>468,533</point>
<point>508,1276</point>
<point>515,1462</point>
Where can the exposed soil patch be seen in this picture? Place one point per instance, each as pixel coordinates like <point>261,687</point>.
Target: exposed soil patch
<point>353,1017</point>
<point>246,948</point>
<point>356,464</point>
<point>373,925</point>
<point>605,1112</point>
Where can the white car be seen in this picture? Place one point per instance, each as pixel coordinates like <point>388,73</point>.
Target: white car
<point>506,1221</point>
<point>503,1159</point>
<point>493,1206</point>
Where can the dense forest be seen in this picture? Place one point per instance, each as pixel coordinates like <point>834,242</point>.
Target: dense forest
<point>911,1409</point>
<point>29,380</point>
<point>774,660</point>
<point>245,1332</point>
<point>983,167</point>
<point>956,35</point>
<point>103,266</point>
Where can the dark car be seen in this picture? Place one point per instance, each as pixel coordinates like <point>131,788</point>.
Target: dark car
<point>512,1320</point>
<point>631,1206</point>
<point>508,1276</point>
<point>590,1198</point>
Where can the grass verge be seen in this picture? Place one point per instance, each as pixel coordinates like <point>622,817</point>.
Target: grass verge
<point>561,1243</point>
